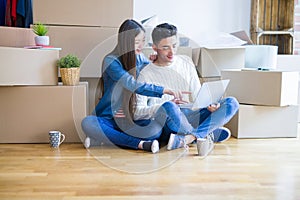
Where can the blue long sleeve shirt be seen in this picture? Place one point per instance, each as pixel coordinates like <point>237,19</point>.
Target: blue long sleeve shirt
<point>116,79</point>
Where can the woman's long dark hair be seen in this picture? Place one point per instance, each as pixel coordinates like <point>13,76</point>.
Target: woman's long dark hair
<point>125,52</point>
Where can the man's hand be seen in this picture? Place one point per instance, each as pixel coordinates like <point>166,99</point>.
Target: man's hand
<point>213,107</point>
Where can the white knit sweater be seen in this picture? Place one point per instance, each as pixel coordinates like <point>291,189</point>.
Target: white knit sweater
<point>181,75</point>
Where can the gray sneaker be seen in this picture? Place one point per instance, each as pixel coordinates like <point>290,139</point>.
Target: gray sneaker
<point>205,145</point>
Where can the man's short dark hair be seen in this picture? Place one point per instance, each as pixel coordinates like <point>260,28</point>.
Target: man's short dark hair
<point>162,31</point>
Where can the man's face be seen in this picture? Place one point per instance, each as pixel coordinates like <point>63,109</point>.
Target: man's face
<point>166,49</point>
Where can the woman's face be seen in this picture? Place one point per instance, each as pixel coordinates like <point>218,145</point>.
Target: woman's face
<point>139,42</point>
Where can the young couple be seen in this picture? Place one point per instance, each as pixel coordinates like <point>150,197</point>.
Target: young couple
<point>139,106</point>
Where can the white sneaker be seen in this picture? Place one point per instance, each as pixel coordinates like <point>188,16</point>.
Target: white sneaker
<point>155,146</point>
<point>87,142</point>
<point>175,141</point>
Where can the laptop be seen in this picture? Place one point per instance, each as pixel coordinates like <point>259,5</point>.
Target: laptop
<point>209,93</point>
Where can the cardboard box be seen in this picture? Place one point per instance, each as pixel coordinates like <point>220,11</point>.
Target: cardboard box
<point>105,13</point>
<point>19,66</point>
<point>264,122</point>
<point>202,79</point>
<point>94,92</point>
<point>243,36</point>
<point>270,88</point>
<point>16,37</point>
<point>30,112</point>
<point>90,44</point>
<point>213,60</point>
<point>290,63</point>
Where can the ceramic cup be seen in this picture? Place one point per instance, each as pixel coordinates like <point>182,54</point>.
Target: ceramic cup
<point>56,138</point>
<point>202,146</point>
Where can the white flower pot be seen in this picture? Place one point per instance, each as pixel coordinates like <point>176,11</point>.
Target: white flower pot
<point>42,40</point>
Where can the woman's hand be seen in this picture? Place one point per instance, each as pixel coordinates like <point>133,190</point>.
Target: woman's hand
<point>213,107</point>
<point>153,56</point>
<point>178,101</point>
<point>177,94</point>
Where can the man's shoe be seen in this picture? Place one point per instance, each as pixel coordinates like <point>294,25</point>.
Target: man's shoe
<point>221,134</point>
<point>175,141</point>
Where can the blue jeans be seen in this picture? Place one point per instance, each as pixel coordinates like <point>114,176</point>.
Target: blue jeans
<point>107,131</point>
<point>199,122</point>
<point>169,117</point>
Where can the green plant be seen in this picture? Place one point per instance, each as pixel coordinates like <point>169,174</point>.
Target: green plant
<point>40,29</point>
<point>69,61</point>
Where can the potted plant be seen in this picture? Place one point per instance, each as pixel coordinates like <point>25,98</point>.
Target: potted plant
<point>69,68</point>
<point>41,30</point>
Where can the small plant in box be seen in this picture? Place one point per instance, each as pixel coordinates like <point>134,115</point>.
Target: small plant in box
<point>69,68</point>
<point>41,30</point>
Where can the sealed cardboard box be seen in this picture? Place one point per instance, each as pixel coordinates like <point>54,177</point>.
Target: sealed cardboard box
<point>264,122</point>
<point>106,13</point>
<point>90,43</point>
<point>30,112</point>
<point>19,66</point>
<point>213,60</point>
<point>290,63</point>
<point>16,37</point>
<point>270,88</point>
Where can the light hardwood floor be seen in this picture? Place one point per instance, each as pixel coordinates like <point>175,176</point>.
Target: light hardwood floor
<point>238,169</point>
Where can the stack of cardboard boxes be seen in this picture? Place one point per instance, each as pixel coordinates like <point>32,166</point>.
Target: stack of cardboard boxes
<point>87,29</point>
<point>31,101</point>
<point>268,103</point>
<point>268,99</point>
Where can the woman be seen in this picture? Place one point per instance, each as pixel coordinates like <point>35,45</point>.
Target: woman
<point>120,68</point>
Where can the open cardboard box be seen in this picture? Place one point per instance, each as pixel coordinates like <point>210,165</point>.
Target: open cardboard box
<point>212,59</point>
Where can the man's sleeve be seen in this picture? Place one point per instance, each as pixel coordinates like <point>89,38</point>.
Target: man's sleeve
<point>195,84</point>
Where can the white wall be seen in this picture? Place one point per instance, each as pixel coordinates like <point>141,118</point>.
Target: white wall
<point>198,19</point>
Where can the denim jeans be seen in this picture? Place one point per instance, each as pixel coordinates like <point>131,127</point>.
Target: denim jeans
<point>107,131</point>
<point>169,119</point>
<point>199,122</point>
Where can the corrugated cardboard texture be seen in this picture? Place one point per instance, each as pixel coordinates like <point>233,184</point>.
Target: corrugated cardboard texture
<point>28,113</point>
<point>105,13</point>
<point>16,37</point>
<point>19,66</point>
<point>264,122</point>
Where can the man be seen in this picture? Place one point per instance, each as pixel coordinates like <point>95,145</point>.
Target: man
<point>179,73</point>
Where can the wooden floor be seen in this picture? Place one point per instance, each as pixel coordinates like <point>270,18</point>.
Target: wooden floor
<point>253,169</point>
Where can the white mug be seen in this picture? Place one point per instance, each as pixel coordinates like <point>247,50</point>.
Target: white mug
<point>56,138</point>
